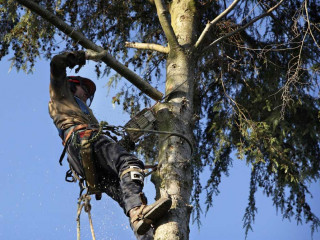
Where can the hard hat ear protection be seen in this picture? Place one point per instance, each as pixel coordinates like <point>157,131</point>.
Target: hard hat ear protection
<point>87,84</point>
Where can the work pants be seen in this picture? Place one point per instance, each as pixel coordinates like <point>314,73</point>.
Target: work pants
<point>110,160</point>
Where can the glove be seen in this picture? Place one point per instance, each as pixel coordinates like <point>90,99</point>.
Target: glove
<point>75,58</point>
<point>95,56</point>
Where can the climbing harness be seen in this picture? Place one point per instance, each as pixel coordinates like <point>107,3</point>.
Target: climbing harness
<point>88,136</point>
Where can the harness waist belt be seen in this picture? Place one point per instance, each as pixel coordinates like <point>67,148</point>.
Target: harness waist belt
<point>71,130</point>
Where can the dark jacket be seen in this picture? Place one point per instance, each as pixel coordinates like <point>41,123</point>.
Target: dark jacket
<point>63,108</point>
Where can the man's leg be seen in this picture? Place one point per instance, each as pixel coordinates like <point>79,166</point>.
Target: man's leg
<point>116,160</point>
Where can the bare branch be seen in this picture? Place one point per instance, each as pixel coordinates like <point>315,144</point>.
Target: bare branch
<point>213,22</point>
<point>293,79</point>
<point>148,46</point>
<point>205,50</point>
<point>309,25</point>
<point>294,71</point>
<point>79,38</point>
<point>164,19</point>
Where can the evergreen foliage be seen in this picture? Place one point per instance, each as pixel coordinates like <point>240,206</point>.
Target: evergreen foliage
<point>256,92</point>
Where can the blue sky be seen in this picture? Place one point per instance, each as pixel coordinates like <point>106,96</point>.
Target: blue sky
<point>36,203</point>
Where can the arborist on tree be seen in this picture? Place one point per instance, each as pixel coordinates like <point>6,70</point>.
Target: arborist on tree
<point>103,164</point>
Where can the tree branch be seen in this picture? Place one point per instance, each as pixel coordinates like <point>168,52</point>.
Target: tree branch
<point>86,43</point>
<point>148,46</point>
<point>206,49</point>
<point>164,19</point>
<point>213,22</point>
<point>309,24</point>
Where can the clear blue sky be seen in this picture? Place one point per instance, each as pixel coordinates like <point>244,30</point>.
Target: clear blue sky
<point>36,203</point>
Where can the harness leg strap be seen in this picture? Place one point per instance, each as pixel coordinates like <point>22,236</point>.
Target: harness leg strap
<point>136,174</point>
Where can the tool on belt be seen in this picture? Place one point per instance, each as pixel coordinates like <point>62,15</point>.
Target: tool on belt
<point>87,134</point>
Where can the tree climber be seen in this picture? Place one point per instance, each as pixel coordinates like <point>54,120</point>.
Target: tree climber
<point>104,164</point>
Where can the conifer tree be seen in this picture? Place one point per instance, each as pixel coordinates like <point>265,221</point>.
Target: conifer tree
<point>241,78</point>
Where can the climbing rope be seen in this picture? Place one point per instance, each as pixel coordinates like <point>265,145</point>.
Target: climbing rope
<point>84,202</point>
<point>160,132</point>
<point>85,198</point>
<point>117,129</point>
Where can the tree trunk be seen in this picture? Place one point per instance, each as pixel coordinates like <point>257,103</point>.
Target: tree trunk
<point>174,177</point>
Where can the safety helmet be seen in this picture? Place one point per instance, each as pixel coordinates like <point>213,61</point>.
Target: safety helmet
<point>89,86</point>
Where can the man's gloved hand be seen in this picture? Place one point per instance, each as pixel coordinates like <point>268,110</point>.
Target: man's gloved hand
<point>75,58</point>
<point>95,56</point>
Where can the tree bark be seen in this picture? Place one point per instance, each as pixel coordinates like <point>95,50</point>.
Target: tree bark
<point>174,177</point>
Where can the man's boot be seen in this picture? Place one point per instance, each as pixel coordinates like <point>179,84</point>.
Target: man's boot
<point>142,217</point>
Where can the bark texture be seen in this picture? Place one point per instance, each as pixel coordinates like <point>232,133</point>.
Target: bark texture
<point>175,178</point>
